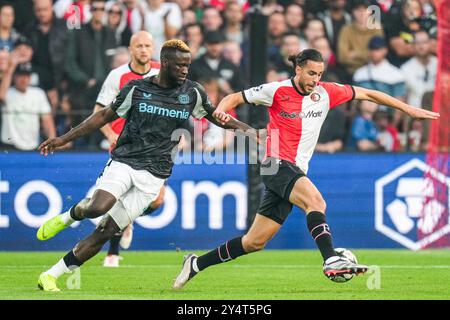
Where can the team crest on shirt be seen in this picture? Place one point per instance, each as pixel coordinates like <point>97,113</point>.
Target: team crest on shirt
<point>315,97</point>
<point>183,98</point>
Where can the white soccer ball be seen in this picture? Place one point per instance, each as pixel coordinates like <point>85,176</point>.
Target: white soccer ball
<point>346,254</point>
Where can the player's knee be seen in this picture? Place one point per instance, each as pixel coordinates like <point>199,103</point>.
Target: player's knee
<point>317,203</point>
<point>252,245</point>
<point>95,210</point>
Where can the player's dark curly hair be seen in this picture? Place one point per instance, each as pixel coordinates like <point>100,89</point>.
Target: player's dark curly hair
<point>302,58</point>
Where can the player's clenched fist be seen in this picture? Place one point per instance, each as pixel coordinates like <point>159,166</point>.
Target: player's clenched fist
<point>49,145</point>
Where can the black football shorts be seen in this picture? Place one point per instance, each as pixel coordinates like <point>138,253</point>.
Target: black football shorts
<point>275,204</point>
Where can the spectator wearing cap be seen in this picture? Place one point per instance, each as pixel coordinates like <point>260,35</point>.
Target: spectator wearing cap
<point>212,64</point>
<point>23,48</point>
<point>353,40</point>
<point>8,35</point>
<point>48,37</point>
<point>379,74</point>
<point>24,107</point>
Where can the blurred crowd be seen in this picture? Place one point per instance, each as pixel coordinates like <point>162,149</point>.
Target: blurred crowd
<point>55,55</point>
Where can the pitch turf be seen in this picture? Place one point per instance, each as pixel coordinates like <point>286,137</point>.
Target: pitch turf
<point>264,275</point>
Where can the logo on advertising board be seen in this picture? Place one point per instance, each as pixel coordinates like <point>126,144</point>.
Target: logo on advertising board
<point>401,210</point>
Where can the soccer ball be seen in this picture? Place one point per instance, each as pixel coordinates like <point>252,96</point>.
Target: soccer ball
<point>346,254</point>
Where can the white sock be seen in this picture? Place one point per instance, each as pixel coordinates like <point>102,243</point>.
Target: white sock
<point>58,269</point>
<point>332,259</point>
<point>194,265</point>
<point>66,218</point>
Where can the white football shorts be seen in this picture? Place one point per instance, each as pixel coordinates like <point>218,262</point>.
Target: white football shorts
<point>134,189</point>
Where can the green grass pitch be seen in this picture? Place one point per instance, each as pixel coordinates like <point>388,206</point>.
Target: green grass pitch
<point>269,275</point>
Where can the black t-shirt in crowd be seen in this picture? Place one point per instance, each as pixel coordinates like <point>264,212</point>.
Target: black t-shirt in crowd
<point>396,27</point>
<point>152,114</point>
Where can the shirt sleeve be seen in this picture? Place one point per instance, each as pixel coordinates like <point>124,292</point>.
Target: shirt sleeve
<point>109,90</point>
<point>203,105</point>
<point>122,103</point>
<point>261,95</point>
<point>338,93</point>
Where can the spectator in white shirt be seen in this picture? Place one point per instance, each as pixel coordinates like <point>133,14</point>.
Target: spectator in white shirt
<point>23,108</point>
<point>419,71</point>
<point>163,20</point>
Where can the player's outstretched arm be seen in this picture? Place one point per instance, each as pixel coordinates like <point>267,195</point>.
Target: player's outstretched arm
<point>387,100</point>
<point>94,122</point>
<point>228,122</point>
<point>227,104</point>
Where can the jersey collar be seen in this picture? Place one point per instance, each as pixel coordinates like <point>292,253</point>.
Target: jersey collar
<point>139,74</point>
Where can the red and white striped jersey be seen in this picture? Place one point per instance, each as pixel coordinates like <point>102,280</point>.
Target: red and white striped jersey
<point>116,79</point>
<point>296,118</point>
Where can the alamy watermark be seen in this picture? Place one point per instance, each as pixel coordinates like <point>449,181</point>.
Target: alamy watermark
<point>74,19</point>
<point>374,17</point>
<point>374,278</point>
<point>244,147</point>
<point>73,282</point>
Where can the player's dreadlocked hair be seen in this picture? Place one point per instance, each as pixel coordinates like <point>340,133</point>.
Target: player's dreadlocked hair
<point>172,46</point>
<point>302,58</point>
